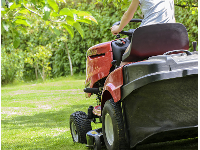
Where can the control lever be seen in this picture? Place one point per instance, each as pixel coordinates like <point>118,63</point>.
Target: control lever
<point>118,36</point>
<point>194,44</point>
<point>119,42</point>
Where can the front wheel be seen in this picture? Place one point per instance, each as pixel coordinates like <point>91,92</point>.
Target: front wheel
<point>113,126</point>
<point>79,126</point>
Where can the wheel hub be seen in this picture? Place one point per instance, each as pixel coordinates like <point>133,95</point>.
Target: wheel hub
<point>109,129</point>
<point>74,132</point>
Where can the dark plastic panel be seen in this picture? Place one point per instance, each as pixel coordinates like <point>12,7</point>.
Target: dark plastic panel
<point>158,68</point>
<point>160,98</point>
<point>160,107</point>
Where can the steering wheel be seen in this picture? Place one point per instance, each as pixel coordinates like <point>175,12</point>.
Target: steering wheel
<point>129,33</point>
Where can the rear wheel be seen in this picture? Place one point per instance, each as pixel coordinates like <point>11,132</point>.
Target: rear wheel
<point>79,126</point>
<point>113,126</point>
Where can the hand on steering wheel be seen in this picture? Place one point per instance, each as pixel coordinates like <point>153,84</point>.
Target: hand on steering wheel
<point>115,29</point>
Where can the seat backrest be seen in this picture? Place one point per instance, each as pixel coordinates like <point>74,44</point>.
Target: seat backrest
<point>156,39</point>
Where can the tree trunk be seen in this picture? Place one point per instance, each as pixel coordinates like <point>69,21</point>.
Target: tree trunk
<point>70,61</point>
<point>41,74</point>
<point>36,74</point>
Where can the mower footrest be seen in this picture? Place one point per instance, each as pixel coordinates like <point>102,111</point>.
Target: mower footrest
<point>91,90</point>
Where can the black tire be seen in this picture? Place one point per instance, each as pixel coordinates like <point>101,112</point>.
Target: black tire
<point>113,126</point>
<point>97,143</point>
<point>79,126</point>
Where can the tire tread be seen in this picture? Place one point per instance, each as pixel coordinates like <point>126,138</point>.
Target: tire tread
<point>82,124</point>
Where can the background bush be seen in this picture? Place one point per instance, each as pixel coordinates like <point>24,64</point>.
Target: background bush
<point>18,64</point>
<point>12,67</point>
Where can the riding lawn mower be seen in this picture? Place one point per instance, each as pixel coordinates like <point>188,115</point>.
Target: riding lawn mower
<point>148,94</point>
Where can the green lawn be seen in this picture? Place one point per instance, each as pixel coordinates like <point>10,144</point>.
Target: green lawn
<point>36,116</point>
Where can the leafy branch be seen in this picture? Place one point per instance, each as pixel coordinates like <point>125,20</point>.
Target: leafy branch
<point>15,15</point>
<point>32,11</point>
<point>185,5</point>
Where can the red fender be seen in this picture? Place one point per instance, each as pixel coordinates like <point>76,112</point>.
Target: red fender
<point>113,85</point>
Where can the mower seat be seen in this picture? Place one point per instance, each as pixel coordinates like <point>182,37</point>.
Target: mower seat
<point>156,39</point>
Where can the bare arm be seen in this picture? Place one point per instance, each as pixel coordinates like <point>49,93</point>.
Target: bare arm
<point>128,15</point>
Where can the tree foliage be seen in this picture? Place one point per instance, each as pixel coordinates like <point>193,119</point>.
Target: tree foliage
<point>12,67</point>
<point>47,45</point>
<point>24,21</point>
<point>14,16</point>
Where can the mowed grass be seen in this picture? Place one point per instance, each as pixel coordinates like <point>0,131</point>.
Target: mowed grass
<point>36,116</point>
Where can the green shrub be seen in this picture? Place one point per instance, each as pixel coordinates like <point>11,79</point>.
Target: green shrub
<point>40,35</point>
<point>189,18</point>
<point>12,64</point>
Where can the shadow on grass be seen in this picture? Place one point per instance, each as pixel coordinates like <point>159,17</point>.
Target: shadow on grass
<point>41,131</point>
<point>60,119</point>
<point>44,119</point>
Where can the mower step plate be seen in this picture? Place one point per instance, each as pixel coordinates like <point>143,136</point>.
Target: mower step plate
<point>90,136</point>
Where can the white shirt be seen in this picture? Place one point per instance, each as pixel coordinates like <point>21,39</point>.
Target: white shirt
<point>157,11</point>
